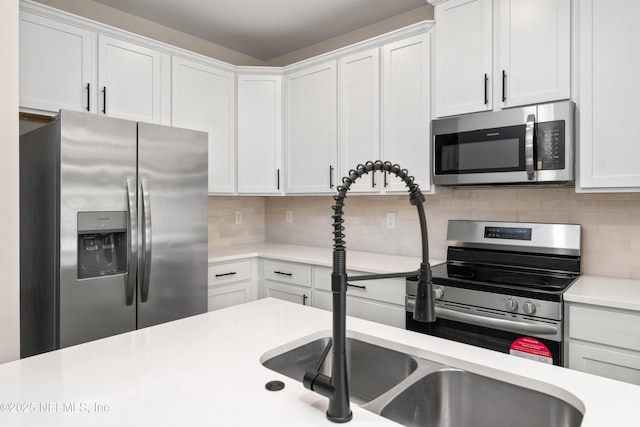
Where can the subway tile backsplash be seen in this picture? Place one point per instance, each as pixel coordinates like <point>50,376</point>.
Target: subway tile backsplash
<point>610,222</point>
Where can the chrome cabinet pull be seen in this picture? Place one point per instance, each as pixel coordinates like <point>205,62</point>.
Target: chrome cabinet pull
<point>528,146</point>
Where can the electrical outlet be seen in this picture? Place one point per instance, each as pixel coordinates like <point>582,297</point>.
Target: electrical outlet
<point>238,215</point>
<point>288,216</point>
<point>391,220</point>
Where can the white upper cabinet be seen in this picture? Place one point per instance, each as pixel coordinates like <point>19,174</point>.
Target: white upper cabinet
<point>311,129</point>
<point>462,56</point>
<point>608,95</point>
<point>66,64</point>
<point>534,39</point>
<point>406,113</point>
<point>260,134</point>
<point>360,116</point>
<point>57,65</point>
<point>130,81</point>
<point>203,98</point>
<point>500,53</point>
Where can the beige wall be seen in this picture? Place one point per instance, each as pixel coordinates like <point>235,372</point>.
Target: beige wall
<point>610,222</point>
<point>110,16</point>
<point>9,191</point>
<point>222,227</point>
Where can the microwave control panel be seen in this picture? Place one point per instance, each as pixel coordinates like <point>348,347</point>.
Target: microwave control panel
<point>550,137</point>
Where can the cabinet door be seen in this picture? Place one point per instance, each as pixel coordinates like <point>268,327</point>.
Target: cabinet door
<point>311,137</point>
<point>608,98</point>
<point>534,51</point>
<point>259,134</point>
<point>291,293</point>
<point>406,113</point>
<point>228,296</point>
<point>360,116</point>
<point>608,362</point>
<point>57,65</point>
<point>203,98</point>
<point>131,81</point>
<point>463,56</point>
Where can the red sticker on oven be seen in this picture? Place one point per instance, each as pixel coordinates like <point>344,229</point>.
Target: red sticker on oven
<point>531,348</point>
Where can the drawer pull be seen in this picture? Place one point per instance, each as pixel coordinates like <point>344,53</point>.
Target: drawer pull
<point>304,299</point>
<point>357,286</point>
<point>283,273</point>
<point>226,274</point>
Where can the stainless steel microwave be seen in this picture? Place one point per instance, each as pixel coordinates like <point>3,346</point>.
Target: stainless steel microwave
<point>525,145</point>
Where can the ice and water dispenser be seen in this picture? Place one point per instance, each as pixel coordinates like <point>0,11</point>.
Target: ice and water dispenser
<point>102,244</point>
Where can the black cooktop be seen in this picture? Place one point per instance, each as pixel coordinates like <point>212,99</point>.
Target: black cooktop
<point>539,275</point>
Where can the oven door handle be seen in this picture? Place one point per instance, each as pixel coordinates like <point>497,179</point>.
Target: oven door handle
<point>501,324</point>
<point>490,322</point>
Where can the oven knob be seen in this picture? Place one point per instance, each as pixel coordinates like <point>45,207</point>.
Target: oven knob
<point>529,307</point>
<point>438,292</point>
<point>511,304</point>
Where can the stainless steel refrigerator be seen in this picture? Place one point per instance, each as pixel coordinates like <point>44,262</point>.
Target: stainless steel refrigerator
<point>113,228</point>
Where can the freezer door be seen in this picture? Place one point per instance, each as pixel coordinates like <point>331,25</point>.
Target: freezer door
<point>97,159</point>
<point>173,218</point>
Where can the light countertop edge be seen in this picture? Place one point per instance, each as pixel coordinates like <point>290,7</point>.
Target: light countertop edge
<point>206,370</point>
<point>356,260</point>
<point>607,292</point>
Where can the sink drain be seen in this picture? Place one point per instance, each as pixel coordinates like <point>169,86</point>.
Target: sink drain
<point>274,385</point>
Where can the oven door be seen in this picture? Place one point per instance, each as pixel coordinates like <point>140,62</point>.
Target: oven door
<point>540,341</point>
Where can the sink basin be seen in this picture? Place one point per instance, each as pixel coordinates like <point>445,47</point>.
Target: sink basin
<point>372,369</point>
<point>452,397</point>
<point>390,380</point>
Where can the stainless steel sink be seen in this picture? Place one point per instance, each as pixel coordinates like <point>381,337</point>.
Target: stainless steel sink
<point>414,391</point>
<point>452,397</point>
<point>372,369</point>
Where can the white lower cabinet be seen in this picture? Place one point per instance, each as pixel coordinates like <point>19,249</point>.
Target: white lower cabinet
<point>604,341</point>
<point>286,281</point>
<point>231,283</point>
<point>380,301</point>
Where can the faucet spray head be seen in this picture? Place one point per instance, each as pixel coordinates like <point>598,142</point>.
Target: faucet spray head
<point>425,306</point>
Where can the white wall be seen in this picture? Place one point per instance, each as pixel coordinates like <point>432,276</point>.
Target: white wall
<point>9,214</point>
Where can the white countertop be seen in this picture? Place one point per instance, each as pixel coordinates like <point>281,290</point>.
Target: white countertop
<point>205,371</point>
<point>606,292</point>
<point>356,260</point>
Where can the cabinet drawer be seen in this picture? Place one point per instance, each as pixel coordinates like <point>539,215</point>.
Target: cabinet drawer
<point>298,274</point>
<point>220,274</point>
<point>611,327</point>
<point>364,309</point>
<point>605,361</point>
<point>386,290</point>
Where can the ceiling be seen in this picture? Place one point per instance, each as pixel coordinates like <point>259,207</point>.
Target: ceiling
<point>265,29</point>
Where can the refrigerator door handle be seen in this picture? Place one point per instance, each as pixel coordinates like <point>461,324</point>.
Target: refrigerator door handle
<point>133,241</point>
<point>146,241</point>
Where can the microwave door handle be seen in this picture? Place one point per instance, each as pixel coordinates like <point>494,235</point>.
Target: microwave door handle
<point>528,147</point>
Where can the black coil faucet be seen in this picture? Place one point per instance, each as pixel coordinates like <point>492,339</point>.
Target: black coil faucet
<point>336,386</point>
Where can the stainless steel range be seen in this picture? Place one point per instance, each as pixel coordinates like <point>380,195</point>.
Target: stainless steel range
<point>502,285</point>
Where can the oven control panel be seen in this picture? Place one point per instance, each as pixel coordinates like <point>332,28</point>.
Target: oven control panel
<point>510,233</point>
